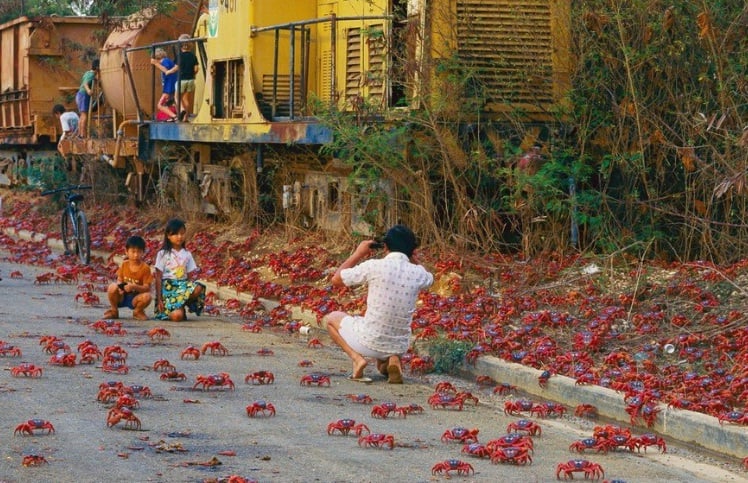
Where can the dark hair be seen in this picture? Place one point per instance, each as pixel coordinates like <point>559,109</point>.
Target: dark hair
<point>175,225</point>
<point>135,242</point>
<point>401,239</point>
<point>95,64</point>
<point>58,109</point>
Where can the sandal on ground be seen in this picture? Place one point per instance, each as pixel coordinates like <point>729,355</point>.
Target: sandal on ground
<point>111,314</point>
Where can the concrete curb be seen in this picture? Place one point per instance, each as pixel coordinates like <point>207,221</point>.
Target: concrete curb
<point>679,424</point>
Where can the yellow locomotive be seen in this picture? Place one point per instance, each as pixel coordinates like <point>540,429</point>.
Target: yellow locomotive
<point>264,64</point>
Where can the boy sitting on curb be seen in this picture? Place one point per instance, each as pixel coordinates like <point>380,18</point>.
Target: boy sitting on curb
<point>133,286</point>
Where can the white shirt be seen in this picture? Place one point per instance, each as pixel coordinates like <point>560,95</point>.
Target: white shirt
<point>69,122</point>
<point>394,284</point>
<point>175,264</point>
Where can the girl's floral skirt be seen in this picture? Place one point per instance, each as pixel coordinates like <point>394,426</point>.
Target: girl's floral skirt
<point>175,294</point>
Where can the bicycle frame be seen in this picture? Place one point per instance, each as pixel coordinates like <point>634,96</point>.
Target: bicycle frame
<point>76,238</point>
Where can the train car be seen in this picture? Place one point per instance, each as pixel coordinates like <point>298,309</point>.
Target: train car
<point>41,62</point>
<point>254,135</point>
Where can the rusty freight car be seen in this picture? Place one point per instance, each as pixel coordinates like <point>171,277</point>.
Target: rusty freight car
<point>41,61</point>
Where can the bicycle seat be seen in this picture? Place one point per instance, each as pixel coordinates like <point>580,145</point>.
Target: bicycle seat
<point>75,197</point>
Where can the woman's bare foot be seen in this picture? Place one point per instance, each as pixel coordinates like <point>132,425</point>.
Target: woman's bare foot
<point>358,368</point>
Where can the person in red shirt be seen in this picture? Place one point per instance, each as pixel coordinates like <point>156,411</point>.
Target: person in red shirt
<point>133,286</point>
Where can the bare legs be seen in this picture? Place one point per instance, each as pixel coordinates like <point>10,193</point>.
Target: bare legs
<point>332,320</point>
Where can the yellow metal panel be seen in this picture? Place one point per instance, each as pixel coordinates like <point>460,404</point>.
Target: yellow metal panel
<point>518,50</point>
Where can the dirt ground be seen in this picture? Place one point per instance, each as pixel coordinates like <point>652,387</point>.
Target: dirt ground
<point>193,435</point>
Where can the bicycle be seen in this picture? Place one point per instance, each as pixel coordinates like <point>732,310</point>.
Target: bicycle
<point>73,223</point>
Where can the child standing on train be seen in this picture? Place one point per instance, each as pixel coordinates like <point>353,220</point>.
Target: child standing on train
<point>168,80</point>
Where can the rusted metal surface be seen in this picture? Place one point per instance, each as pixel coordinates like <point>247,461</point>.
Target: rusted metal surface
<point>139,31</point>
<point>41,62</point>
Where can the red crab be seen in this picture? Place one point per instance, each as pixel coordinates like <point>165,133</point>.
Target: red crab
<point>9,350</point>
<point>461,435</point>
<point>591,470</point>
<point>16,274</point>
<point>128,401</point>
<point>265,352</point>
<point>44,278</point>
<point>445,386</point>
<point>547,409</point>
<point>102,325</point>
<point>344,426</point>
<point>173,376</point>
<point>513,454</point>
<point>412,408</point>
<point>253,327</point>
<point>66,360</point>
<point>445,401</point>
<point>125,414</point>
<point>138,390</point>
<point>649,439</point>
<point>735,417</point>
<point>221,379</point>
<point>114,366</point>
<point>514,408</point>
<point>216,348</point>
<point>586,411</point>
<point>461,467</point>
<point>315,378</point>
<point>89,298</point>
<point>359,398</point>
<point>484,381</point>
<point>55,346</point>
<point>89,353</point>
<point>476,449</point>
<point>315,343</point>
<point>745,462</point>
<point>190,352</point>
<point>158,333</point>
<point>163,365</point>
<point>504,388</point>
<point>26,369</point>
<point>580,446</point>
<point>421,365</point>
<point>526,425</point>
<point>509,440</point>
<point>260,407</point>
<point>305,363</point>
<point>385,409</point>
<point>115,351</point>
<point>34,460</point>
<point>33,424</point>
<point>260,377</point>
<point>377,440</point>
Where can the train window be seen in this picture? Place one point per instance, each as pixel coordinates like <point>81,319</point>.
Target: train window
<point>228,89</point>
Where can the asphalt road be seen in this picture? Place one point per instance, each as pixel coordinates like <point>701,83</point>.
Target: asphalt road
<point>183,429</point>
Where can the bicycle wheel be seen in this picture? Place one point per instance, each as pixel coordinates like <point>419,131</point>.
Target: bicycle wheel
<point>84,239</point>
<point>67,225</point>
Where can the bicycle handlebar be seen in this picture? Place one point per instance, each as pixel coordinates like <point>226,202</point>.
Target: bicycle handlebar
<point>67,188</point>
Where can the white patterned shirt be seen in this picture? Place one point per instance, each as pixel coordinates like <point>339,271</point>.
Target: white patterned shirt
<point>394,284</point>
<point>175,264</point>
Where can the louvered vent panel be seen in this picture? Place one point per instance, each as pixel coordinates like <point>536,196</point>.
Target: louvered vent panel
<point>326,77</point>
<point>509,42</point>
<point>284,88</point>
<point>375,73</point>
<point>353,64</point>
